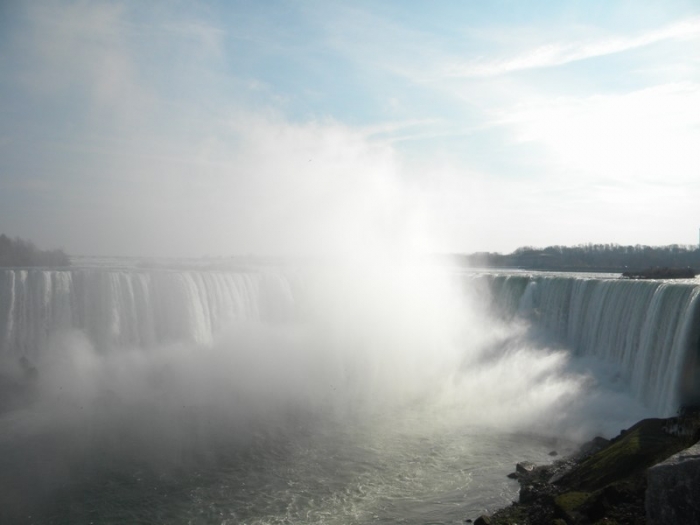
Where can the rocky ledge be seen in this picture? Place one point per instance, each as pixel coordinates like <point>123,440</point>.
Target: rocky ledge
<point>650,473</point>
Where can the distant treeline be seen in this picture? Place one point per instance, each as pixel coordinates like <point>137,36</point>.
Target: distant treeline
<point>18,252</point>
<point>593,257</point>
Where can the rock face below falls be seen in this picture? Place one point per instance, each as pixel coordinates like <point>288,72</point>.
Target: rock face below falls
<point>673,489</point>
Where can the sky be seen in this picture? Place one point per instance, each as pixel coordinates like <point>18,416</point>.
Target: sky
<point>219,128</point>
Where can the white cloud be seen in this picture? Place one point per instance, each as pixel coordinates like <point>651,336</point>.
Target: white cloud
<point>612,168</point>
<point>560,53</point>
<point>620,168</point>
<point>646,135</point>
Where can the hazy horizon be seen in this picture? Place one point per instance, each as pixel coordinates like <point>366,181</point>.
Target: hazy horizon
<point>301,256</point>
<point>311,128</point>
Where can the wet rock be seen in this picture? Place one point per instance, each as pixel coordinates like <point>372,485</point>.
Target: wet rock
<point>673,486</point>
<point>482,520</point>
<point>535,491</point>
<point>525,467</point>
<point>594,445</point>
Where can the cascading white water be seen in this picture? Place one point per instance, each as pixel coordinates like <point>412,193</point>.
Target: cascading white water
<point>133,308</point>
<point>647,329</point>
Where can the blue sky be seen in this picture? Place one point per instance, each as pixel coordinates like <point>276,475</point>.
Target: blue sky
<point>220,128</point>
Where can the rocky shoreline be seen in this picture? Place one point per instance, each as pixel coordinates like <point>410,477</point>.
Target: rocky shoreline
<point>647,474</point>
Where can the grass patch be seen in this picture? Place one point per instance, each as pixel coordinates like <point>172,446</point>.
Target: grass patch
<point>642,446</point>
<point>570,501</point>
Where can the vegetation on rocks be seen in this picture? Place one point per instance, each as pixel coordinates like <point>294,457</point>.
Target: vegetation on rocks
<point>604,483</point>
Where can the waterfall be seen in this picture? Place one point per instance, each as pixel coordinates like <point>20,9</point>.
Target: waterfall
<point>132,307</point>
<point>646,329</point>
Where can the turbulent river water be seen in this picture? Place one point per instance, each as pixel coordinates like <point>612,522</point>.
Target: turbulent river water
<point>353,394</point>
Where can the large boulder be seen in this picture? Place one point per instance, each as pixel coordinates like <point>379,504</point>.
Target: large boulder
<point>673,488</point>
